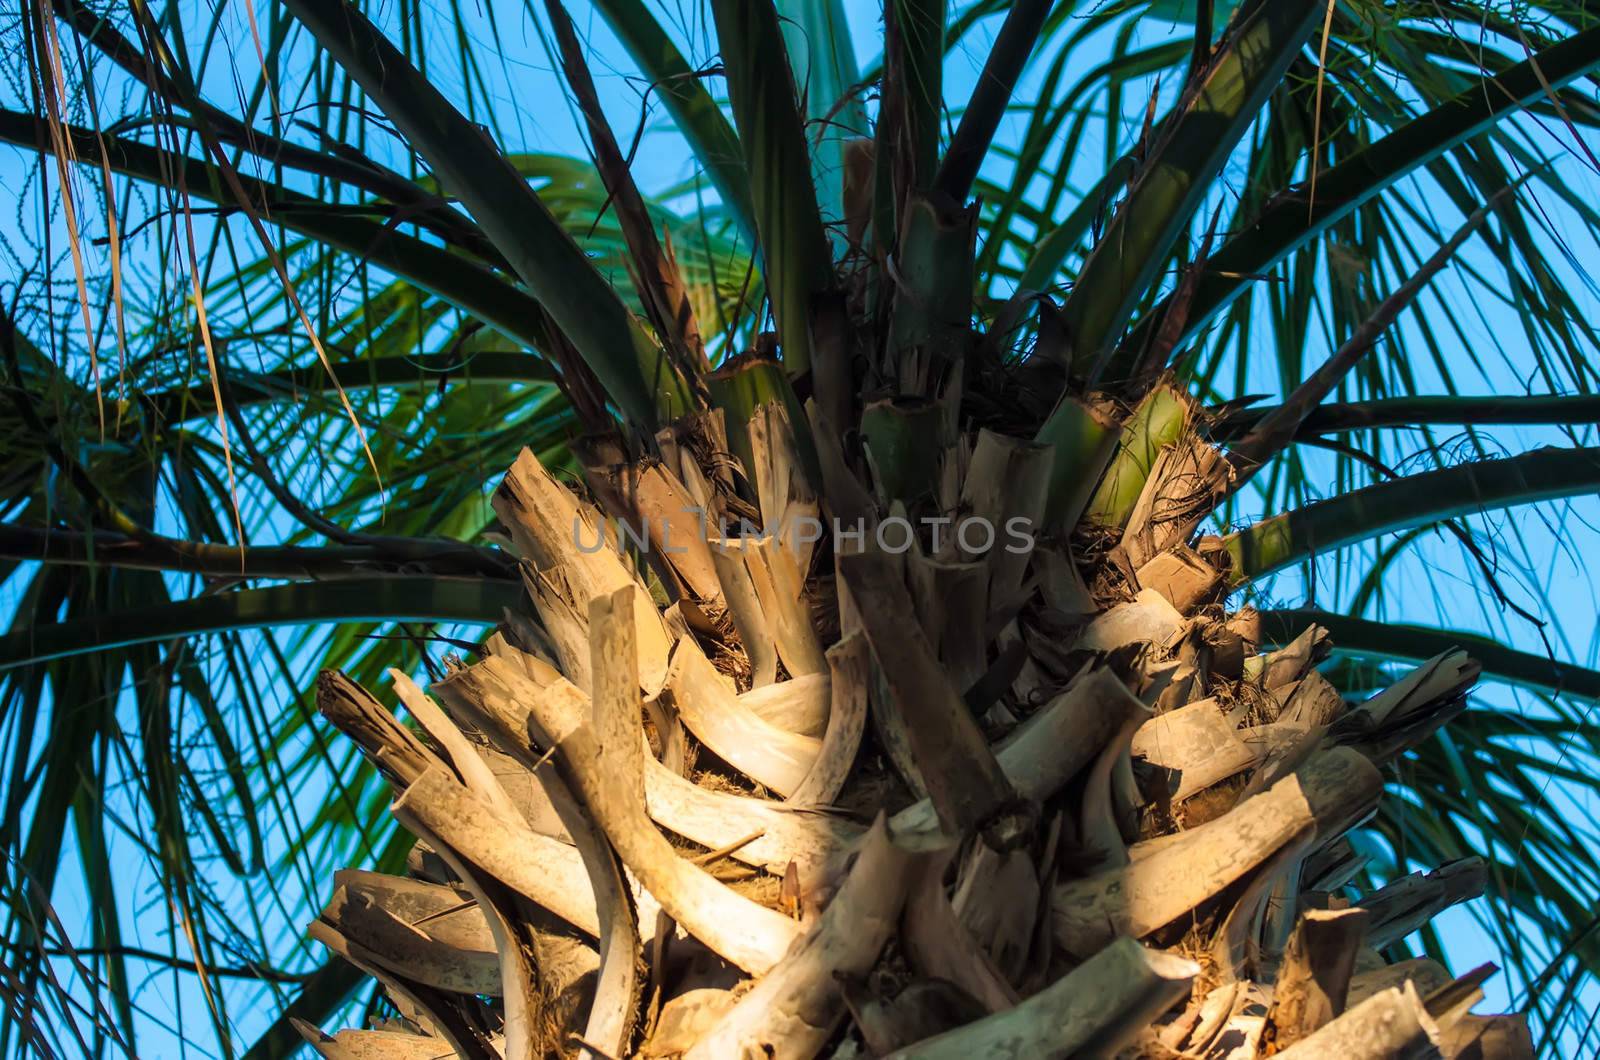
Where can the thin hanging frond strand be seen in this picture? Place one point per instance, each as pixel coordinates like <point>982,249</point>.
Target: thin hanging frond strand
<point>213,370</point>
<point>52,84</point>
<point>1316,107</point>
<point>231,177</point>
<point>113,234</point>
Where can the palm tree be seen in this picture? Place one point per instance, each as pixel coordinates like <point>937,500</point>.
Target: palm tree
<point>894,681</point>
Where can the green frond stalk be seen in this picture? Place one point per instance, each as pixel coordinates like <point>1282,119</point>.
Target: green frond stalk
<point>464,283</point>
<point>1407,642</point>
<point>1291,221</point>
<point>1338,417</point>
<point>630,365</point>
<point>1086,441</point>
<point>1189,149</point>
<point>816,35</point>
<point>712,139</point>
<point>362,600</point>
<point>1413,500</point>
<point>1159,421</point>
<point>1013,46</point>
<point>907,141</point>
<point>421,372</point>
<point>904,438</point>
<point>796,261</point>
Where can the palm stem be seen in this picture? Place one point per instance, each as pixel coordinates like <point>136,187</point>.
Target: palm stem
<point>293,562</point>
<point>633,369</point>
<point>1405,642</point>
<point>422,371</point>
<point>1012,47</point>
<point>459,281</point>
<point>1564,410</point>
<point>693,110</point>
<point>1415,500</point>
<point>396,598</point>
<point>1192,146</point>
<point>796,260</point>
<point>1289,222</point>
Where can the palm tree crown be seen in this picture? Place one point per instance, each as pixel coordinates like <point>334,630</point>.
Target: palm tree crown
<point>312,363</point>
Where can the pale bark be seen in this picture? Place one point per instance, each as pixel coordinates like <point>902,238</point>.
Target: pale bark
<point>1003,492</point>
<point>704,700</point>
<point>373,1045</point>
<point>665,515</point>
<point>454,951</point>
<point>526,792</point>
<point>615,905</point>
<point>749,935</point>
<point>1427,976</point>
<point>1097,1008</point>
<point>951,600</point>
<point>474,772</point>
<point>535,665</point>
<point>1197,1026</point>
<point>500,696</point>
<point>1504,1037</point>
<point>1310,703</point>
<point>546,871</point>
<point>1331,793</point>
<point>1182,577</point>
<point>794,1008</point>
<point>1390,1025</point>
<point>1314,979</point>
<point>1198,744</point>
<point>396,751</point>
<point>1406,904</point>
<point>515,941</point>
<point>1146,619</point>
<point>999,900</point>
<point>686,1019</point>
<point>744,608</point>
<point>537,798</point>
<point>1098,829</point>
<point>1292,661</point>
<point>1442,677</point>
<point>449,916</point>
<point>1044,752</point>
<point>1236,947</point>
<point>780,587</point>
<point>1410,710</point>
<point>850,668</point>
<point>798,705</point>
<point>422,1006</point>
<point>546,523</point>
<point>965,783</point>
<point>786,494</point>
<point>938,945</point>
<point>1185,483</point>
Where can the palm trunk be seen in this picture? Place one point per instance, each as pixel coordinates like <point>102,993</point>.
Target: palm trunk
<point>1120,838</point>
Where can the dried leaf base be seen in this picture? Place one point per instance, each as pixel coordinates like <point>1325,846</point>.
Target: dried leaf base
<point>649,831</point>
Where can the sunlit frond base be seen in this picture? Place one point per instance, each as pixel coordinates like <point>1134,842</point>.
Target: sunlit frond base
<point>705,830</point>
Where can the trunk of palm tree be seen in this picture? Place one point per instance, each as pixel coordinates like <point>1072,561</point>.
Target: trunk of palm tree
<point>1113,826</point>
